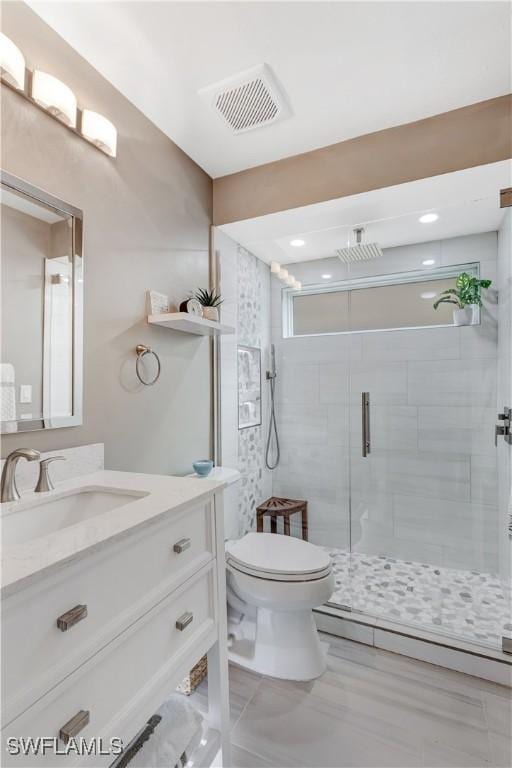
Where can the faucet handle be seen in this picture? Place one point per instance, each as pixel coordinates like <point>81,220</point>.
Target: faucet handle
<point>44,483</point>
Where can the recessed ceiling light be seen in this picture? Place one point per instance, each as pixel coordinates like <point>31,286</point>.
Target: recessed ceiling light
<point>428,262</point>
<point>326,277</point>
<point>428,218</point>
<point>297,243</point>
<point>428,295</point>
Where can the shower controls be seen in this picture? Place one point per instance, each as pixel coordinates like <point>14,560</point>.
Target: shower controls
<point>503,430</point>
<point>365,423</point>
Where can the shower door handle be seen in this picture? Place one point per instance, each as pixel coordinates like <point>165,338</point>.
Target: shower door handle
<point>365,423</point>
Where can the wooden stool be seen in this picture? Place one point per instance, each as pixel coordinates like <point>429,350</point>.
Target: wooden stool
<point>277,507</point>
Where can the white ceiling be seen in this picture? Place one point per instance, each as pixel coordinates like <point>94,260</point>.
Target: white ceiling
<point>348,68</point>
<point>466,202</point>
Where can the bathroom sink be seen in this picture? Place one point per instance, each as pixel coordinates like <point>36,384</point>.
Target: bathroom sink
<point>33,519</point>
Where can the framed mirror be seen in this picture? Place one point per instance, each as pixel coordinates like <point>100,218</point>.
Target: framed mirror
<point>249,387</point>
<point>41,338</point>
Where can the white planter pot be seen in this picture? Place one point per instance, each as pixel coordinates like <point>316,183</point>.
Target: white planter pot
<point>464,316</point>
<point>475,313</point>
<point>211,313</point>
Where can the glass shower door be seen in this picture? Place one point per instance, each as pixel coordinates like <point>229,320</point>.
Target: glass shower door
<point>425,523</point>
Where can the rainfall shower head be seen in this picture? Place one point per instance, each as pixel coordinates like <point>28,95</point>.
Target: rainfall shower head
<point>360,251</point>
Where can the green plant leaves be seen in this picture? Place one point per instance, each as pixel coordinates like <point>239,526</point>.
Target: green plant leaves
<point>208,298</point>
<point>467,291</point>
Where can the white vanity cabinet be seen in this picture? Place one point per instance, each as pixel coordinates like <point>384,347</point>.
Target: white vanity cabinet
<point>100,639</point>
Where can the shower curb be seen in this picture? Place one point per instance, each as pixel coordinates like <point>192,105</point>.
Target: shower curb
<point>468,658</point>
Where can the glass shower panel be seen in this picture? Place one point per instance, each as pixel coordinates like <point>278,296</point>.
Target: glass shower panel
<point>312,391</point>
<point>425,524</point>
<point>417,528</point>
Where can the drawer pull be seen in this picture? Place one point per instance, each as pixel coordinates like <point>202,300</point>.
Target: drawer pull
<point>71,617</point>
<point>184,620</point>
<point>182,545</point>
<point>74,726</point>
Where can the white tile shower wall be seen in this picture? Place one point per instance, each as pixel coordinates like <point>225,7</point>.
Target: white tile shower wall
<point>245,285</point>
<point>428,490</point>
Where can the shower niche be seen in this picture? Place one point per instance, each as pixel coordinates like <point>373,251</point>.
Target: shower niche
<point>249,386</point>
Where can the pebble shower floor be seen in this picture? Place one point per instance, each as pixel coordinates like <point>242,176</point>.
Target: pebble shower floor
<point>466,604</point>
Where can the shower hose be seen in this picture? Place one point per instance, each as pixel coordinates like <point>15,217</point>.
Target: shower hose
<point>272,429</point>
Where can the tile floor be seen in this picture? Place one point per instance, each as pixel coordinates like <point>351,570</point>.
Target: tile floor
<point>465,604</point>
<point>371,708</point>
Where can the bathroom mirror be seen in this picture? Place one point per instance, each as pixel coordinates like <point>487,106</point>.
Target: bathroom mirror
<point>249,387</point>
<point>42,299</point>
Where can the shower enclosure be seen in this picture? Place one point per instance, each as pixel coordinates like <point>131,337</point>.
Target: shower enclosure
<point>386,411</point>
<point>386,414</point>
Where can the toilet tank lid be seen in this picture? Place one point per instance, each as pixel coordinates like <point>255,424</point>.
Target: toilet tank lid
<point>274,553</point>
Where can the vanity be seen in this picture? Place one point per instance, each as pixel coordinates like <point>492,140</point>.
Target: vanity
<point>113,587</point>
<point>113,583</point>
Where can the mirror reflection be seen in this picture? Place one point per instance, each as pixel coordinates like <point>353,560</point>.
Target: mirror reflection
<point>41,293</point>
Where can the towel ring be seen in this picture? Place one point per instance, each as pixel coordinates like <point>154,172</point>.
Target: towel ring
<point>142,350</point>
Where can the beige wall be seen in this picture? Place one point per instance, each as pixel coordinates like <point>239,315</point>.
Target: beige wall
<point>462,138</point>
<point>146,224</point>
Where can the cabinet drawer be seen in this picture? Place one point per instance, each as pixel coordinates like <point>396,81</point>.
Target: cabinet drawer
<point>43,642</point>
<point>119,679</point>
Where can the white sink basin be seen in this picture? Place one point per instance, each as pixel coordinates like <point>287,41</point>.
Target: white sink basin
<point>33,518</point>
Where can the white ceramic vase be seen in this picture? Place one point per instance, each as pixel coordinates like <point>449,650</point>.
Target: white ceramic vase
<point>465,316</point>
<point>211,313</point>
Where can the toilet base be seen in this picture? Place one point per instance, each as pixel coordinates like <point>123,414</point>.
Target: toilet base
<point>279,644</point>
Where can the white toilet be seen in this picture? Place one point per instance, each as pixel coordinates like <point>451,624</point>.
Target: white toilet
<point>274,582</point>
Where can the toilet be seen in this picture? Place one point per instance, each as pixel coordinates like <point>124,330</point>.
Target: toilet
<point>274,582</point>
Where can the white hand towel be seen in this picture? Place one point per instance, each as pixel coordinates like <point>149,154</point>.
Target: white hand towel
<point>179,727</point>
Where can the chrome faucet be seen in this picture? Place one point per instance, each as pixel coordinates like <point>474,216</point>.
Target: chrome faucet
<point>8,489</point>
<point>44,483</point>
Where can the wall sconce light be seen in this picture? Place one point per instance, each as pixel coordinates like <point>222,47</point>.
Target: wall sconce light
<point>12,63</point>
<point>55,97</point>
<point>290,280</point>
<point>282,274</point>
<point>99,131</point>
<point>275,268</point>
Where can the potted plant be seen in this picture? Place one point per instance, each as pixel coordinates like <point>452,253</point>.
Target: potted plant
<point>210,301</point>
<point>467,296</point>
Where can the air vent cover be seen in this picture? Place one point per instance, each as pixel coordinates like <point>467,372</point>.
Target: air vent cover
<point>248,100</point>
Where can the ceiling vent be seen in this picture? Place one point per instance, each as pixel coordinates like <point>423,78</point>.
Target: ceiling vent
<point>248,100</point>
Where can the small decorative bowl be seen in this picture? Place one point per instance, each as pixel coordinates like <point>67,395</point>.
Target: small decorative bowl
<point>203,467</point>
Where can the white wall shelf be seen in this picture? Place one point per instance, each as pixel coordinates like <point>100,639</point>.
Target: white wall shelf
<point>182,321</point>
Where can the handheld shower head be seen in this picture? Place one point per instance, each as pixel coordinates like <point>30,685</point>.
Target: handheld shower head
<point>272,427</point>
<point>273,372</point>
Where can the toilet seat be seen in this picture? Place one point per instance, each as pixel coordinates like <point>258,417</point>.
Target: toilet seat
<point>274,557</point>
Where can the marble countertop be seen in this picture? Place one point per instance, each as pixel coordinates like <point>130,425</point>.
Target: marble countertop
<point>24,562</point>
